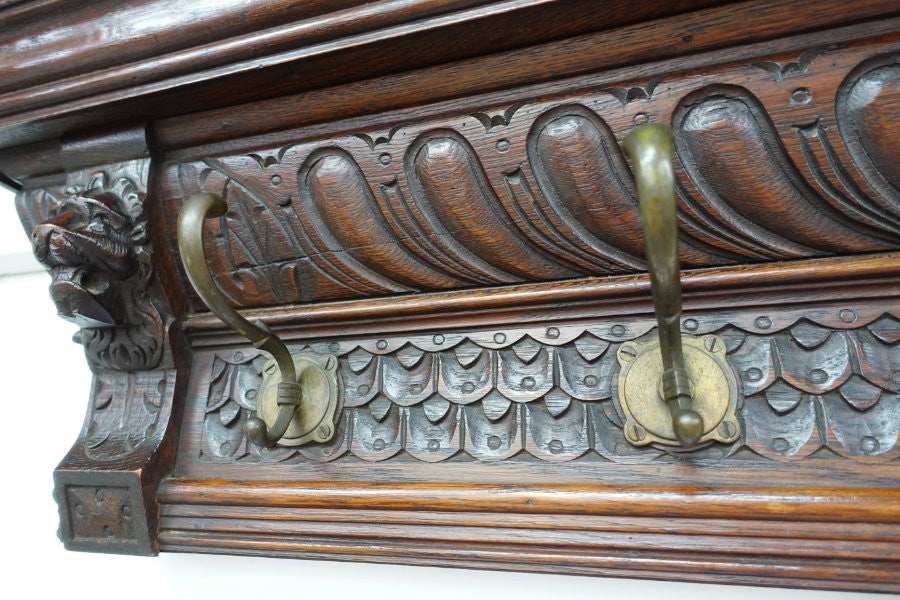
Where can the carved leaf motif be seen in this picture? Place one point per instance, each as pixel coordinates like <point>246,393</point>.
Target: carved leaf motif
<point>557,402</point>
<point>878,363</point>
<point>429,440</point>
<point>409,355</point>
<point>493,440</point>
<point>379,408</point>
<point>869,433</point>
<point>467,353</point>
<point>886,329</point>
<point>465,385</point>
<point>809,335</point>
<point>782,397</point>
<point>495,405</point>
<point>716,130</point>
<point>407,386</point>
<point>866,106</point>
<point>524,382</point>
<point>379,439</point>
<point>815,371</point>
<point>861,394</point>
<point>782,437</point>
<point>557,439</point>
<point>526,348</point>
<point>609,439</point>
<point>590,347</point>
<point>436,408</point>
<point>358,360</point>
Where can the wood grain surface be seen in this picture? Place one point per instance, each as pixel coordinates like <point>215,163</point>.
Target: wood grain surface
<point>432,191</point>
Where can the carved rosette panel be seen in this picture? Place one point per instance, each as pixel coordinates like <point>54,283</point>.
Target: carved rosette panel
<point>101,513</point>
<point>824,381</point>
<point>791,157</point>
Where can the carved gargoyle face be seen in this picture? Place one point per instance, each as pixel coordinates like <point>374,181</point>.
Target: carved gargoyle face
<point>88,245</point>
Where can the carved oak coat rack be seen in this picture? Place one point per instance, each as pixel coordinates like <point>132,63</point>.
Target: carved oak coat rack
<point>428,202</point>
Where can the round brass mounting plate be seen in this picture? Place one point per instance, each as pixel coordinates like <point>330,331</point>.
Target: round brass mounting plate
<point>645,412</point>
<point>314,420</point>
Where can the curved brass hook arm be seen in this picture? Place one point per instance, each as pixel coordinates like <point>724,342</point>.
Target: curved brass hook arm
<point>650,149</point>
<point>196,209</point>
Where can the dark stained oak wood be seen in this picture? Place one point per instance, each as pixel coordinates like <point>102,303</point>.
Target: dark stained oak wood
<point>432,191</point>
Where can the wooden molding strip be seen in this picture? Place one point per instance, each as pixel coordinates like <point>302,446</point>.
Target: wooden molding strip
<point>729,281</point>
<point>842,505</point>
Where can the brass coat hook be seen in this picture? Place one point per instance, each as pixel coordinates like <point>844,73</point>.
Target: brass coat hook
<point>676,390</point>
<point>298,397</point>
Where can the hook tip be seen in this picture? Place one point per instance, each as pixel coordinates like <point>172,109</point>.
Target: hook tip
<point>688,426</point>
<point>256,430</point>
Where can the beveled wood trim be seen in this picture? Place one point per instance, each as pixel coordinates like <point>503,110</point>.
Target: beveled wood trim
<point>558,532</point>
<point>827,275</point>
<point>847,505</point>
<point>763,23</point>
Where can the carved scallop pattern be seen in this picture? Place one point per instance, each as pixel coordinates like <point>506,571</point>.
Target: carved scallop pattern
<point>805,384</point>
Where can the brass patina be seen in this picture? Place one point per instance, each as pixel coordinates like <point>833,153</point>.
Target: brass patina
<point>671,391</point>
<point>298,397</point>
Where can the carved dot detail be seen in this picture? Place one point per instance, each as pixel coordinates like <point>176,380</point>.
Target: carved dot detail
<point>385,159</point>
<point>818,376</point>
<point>502,145</point>
<point>494,442</point>
<point>251,394</point>
<point>617,330</point>
<point>640,118</point>
<point>276,179</point>
<point>753,374</point>
<point>126,512</point>
<point>79,510</point>
<point>225,449</point>
<point>591,381</point>
<point>381,344</point>
<point>438,339</point>
<point>869,445</point>
<point>363,389</point>
<point>415,388</point>
<point>801,96</point>
<point>552,333</point>
<point>379,445</point>
<point>468,387</point>
<point>691,324</point>
<point>334,347</point>
<point>528,383</point>
<point>98,497</point>
<point>763,322</point>
<point>847,315</point>
<point>556,446</point>
<point>434,445</point>
<point>780,445</point>
<point>238,356</point>
<point>499,338</point>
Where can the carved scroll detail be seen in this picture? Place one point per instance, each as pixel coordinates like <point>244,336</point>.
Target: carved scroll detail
<point>540,191</point>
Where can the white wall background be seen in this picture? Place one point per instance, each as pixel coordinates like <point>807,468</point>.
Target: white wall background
<point>46,384</point>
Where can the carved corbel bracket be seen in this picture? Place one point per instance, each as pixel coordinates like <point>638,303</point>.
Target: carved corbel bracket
<point>90,225</point>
